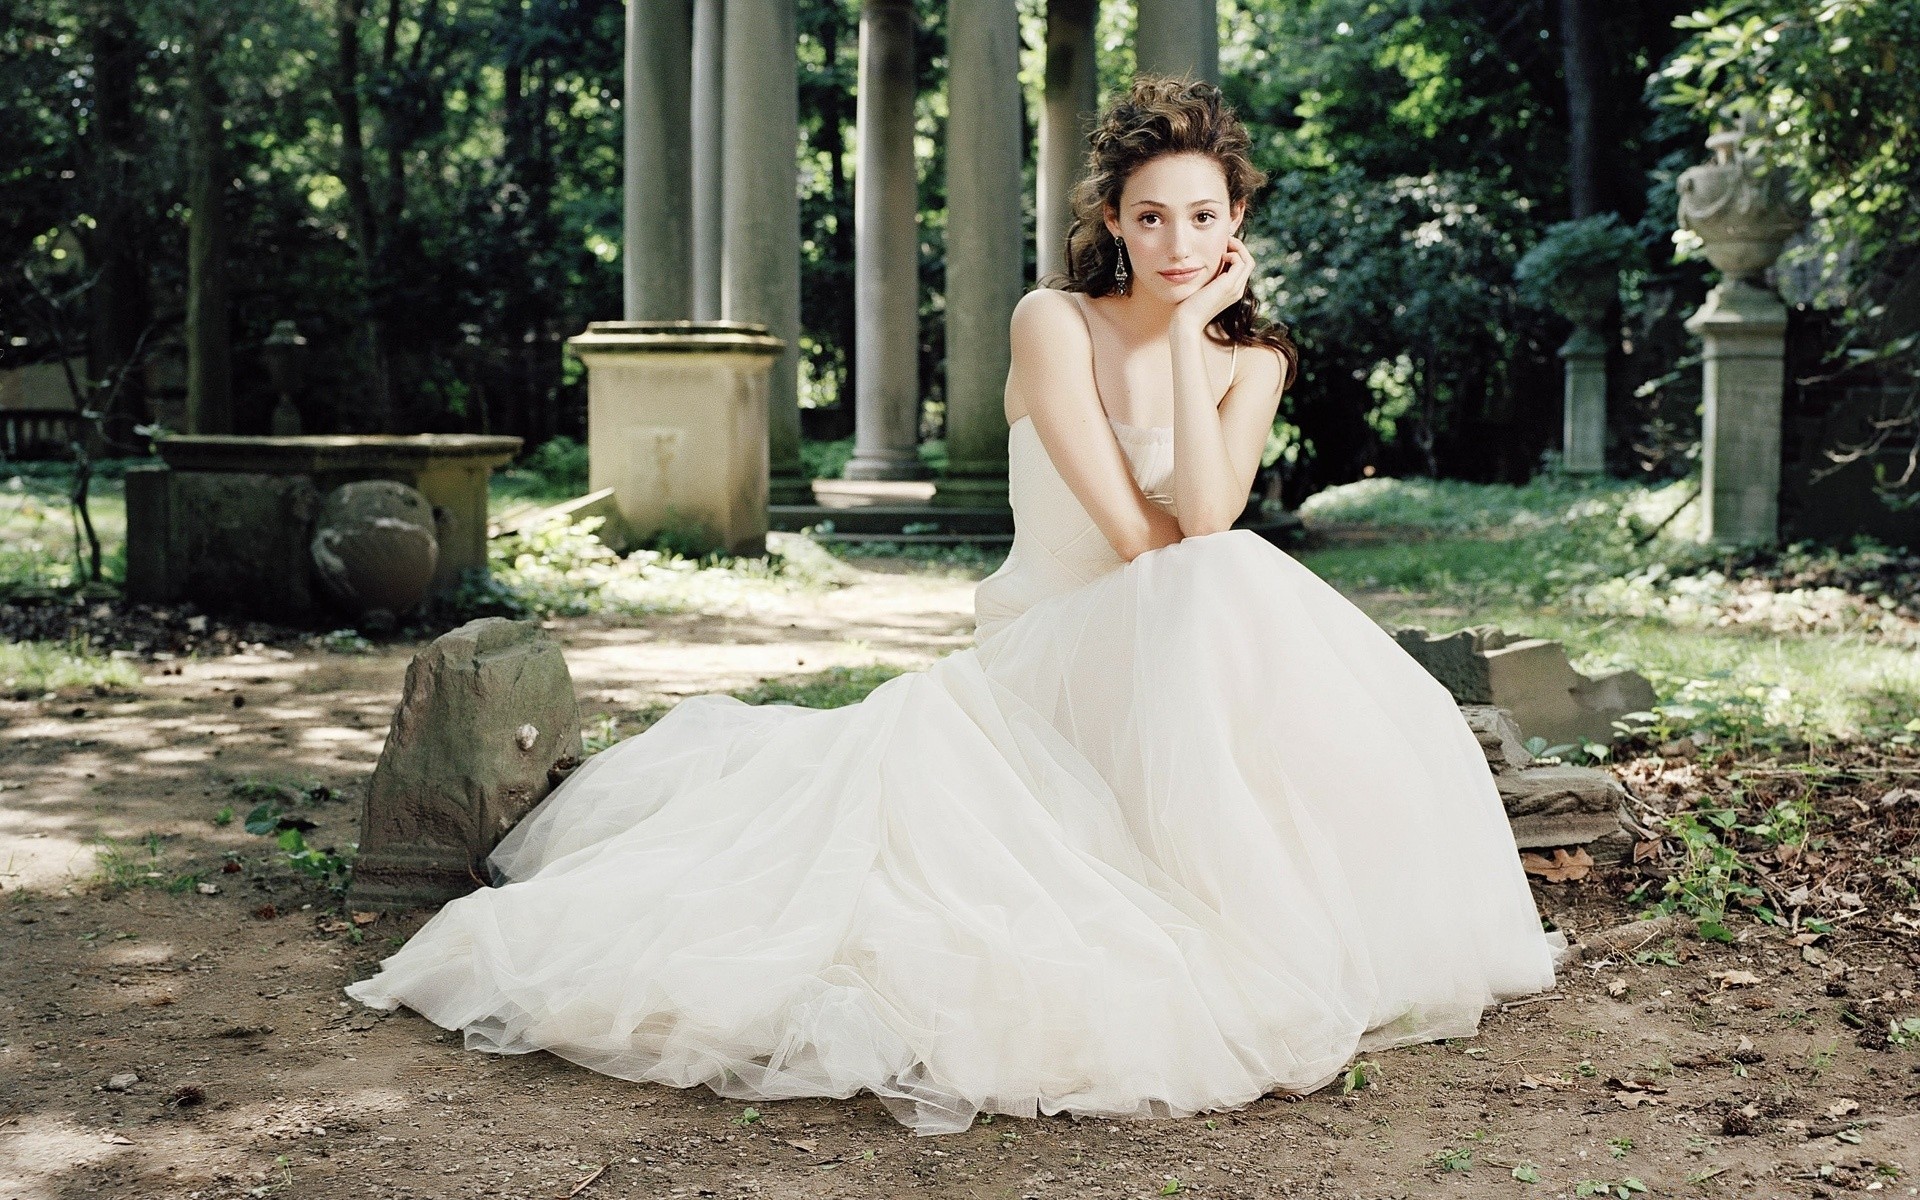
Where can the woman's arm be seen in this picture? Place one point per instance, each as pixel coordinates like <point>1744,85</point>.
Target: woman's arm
<point>1052,372</point>
<point>1216,451</point>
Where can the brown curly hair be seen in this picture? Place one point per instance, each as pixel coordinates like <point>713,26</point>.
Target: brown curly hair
<point>1162,115</point>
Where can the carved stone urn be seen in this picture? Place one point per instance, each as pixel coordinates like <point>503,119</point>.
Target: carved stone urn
<point>1742,212</point>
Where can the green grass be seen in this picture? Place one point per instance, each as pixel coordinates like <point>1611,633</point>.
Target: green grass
<point>34,668</point>
<point>37,543</point>
<point>834,687</point>
<point>1578,562</point>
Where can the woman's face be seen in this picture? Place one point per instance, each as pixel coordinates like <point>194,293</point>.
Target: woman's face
<point>1175,218</point>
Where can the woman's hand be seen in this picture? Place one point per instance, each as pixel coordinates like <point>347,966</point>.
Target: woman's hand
<point>1225,289</point>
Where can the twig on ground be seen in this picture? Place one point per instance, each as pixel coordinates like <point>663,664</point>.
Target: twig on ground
<point>582,1185</point>
<point>1530,1000</point>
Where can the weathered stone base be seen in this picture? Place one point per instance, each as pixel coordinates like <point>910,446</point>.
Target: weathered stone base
<point>399,877</point>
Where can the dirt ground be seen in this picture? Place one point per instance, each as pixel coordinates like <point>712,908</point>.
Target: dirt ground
<point>242,1070</point>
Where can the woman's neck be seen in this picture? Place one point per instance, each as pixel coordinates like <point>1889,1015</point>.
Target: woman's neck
<point>1141,318</point>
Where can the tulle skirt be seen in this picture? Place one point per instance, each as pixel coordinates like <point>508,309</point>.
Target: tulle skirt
<point>1194,831</point>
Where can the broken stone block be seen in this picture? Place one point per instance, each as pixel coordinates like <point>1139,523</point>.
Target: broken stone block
<point>375,549</point>
<point>486,715</point>
<point>594,504</point>
<point>1530,678</point>
<point>1499,737</point>
<point>1563,806</point>
<point>1550,805</point>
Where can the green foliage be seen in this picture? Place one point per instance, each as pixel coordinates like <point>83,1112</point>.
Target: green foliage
<point>826,460</point>
<point>555,471</point>
<point>1801,644</point>
<point>1575,267</point>
<point>1359,1076</point>
<point>29,669</point>
<point>561,569</point>
<point>269,820</point>
<point>125,866</point>
<point>834,687</point>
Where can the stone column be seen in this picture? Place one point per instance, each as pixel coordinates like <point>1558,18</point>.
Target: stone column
<point>985,268</point>
<point>1072,83</point>
<point>709,101</point>
<point>1584,438</point>
<point>1179,37</point>
<point>657,171</point>
<point>1743,215</point>
<point>1742,330</point>
<point>886,338</point>
<point>760,243</point>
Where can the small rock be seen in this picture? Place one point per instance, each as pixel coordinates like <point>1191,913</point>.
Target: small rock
<point>122,1081</point>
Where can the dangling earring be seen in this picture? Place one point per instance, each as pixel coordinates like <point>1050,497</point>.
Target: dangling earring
<point>1121,276</point>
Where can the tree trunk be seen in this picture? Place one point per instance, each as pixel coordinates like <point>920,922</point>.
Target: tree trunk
<point>209,351</point>
<point>362,220</point>
<point>121,306</point>
<point>1584,63</point>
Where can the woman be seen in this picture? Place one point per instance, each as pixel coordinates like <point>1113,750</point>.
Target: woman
<point>1183,827</point>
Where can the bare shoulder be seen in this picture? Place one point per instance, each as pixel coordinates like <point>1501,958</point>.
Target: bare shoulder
<point>1047,308</point>
<point>1263,369</point>
<point>1045,321</point>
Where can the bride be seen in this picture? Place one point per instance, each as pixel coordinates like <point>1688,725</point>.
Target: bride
<point>1183,826</point>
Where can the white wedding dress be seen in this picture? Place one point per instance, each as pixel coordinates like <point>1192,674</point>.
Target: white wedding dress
<point>1173,833</point>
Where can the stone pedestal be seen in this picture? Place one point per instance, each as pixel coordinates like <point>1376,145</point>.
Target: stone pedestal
<point>228,521</point>
<point>486,724</point>
<point>1742,331</point>
<point>1584,440</point>
<point>677,427</point>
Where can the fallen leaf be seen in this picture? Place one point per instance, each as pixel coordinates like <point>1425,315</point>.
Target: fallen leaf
<point>1561,868</point>
<point>1617,988</point>
<point>365,918</point>
<point>1840,1108</point>
<point>1632,1093</point>
<point>1646,851</point>
<point>1554,1082</point>
<point>335,925</point>
<point>807,1144</point>
<point>116,1139</point>
<point>1729,979</point>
